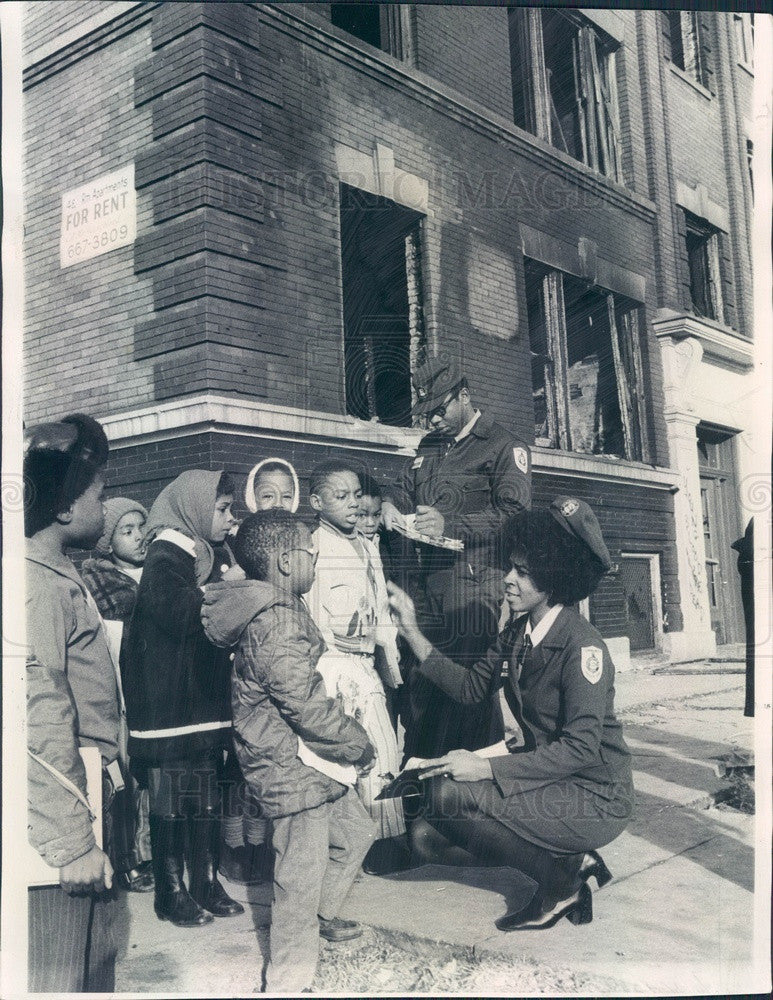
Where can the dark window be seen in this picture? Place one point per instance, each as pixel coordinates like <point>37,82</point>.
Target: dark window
<point>703,261</point>
<point>684,30</point>
<point>363,20</point>
<point>382,301</point>
<point>586,366</point>
<point>750,163</point>
<point>564,86</point>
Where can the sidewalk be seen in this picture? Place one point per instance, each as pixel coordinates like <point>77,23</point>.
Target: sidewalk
<point>677,918</point>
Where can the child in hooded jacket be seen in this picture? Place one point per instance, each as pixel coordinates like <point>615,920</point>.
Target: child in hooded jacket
<point>295,745</point>
<point>177,686</point>
<point>245,859</point>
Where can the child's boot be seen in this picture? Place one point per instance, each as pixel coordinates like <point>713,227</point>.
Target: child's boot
<point>204,843</point>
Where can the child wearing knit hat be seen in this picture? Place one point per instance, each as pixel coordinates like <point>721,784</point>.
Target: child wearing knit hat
<point>113,578</point>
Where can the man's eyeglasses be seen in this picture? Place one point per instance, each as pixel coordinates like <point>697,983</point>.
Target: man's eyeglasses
<point>313,552</point>
<point>440,411</point>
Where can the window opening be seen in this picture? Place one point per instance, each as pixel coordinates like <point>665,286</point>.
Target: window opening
<point>384,336</point>
<point>587,374</point>
<point>704,268</point>
<point>569,102</point>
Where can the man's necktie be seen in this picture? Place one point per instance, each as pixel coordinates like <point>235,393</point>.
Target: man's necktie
<point>523,655</point>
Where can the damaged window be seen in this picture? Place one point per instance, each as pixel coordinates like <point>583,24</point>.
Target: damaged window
<point>384,338</point>
<point>684,32</point>
<point>587,378</point>
<point>703,261</point>
<point>564,85</point>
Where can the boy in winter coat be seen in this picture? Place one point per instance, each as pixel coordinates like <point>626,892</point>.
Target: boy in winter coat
<point>113,578</point>
<point>295,745</point>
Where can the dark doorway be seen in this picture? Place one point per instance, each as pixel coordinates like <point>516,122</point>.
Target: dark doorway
<point>721,527</point>
<point>636,583</point>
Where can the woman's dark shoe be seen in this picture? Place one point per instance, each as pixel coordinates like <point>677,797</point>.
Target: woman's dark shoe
<point>137,880</point>
<point>578,909</point>
<point>593,866</point>
<point>172,902</point>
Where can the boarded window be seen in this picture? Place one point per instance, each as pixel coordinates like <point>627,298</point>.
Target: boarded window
<point>564,85</point>
<point>382,302</point>
<point>587,377</point>
<point>703,261</point>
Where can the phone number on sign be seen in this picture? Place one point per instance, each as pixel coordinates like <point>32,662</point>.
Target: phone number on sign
<point>102,239</point>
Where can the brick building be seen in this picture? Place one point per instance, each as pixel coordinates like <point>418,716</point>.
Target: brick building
<point>245,223</point>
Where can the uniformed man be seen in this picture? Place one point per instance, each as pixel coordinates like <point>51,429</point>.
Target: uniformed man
<point>468,476</point>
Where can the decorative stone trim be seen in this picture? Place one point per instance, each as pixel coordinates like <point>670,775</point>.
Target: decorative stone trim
<point>719,343</point>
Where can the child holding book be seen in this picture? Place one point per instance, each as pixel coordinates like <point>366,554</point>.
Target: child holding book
<point>283,719</point>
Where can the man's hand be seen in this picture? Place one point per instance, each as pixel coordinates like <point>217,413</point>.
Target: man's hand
<point>234,572</point>
<point>461,765</point>
<point>390,515</point>
<point>90,873</point>
<point>429,520</point>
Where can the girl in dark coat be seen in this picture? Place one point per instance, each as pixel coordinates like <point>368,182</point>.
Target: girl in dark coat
<point>177,691</point>
<point>559,785</point>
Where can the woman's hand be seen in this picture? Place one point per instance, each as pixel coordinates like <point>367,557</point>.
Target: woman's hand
<point>403,610</point>
<point>404,616</point>
<point>461,765</point>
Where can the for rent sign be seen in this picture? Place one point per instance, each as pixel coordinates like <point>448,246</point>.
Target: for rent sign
<point>98,217</point>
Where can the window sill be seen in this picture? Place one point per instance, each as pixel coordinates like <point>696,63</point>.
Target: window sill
<point>695,84</point>
<point>747,68</point>
<point>603,468</point>
<point>223,414</point>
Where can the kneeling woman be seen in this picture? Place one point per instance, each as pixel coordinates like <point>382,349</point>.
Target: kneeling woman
<point>559,786</point>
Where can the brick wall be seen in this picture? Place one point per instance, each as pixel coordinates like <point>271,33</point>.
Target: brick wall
<point>44,22</point>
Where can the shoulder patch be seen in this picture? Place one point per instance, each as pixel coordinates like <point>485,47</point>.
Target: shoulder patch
<point>521,457</point>
<point>592,663</point>
<point>417,462</point>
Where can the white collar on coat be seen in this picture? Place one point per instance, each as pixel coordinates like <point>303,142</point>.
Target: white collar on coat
<point>538,633</point>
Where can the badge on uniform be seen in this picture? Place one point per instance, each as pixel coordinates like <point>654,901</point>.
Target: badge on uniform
<point>521,458</point>
<point>417,462</point>
<point>592,663</point>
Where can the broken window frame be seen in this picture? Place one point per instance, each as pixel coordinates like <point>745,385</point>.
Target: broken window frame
<point>704,269</point>
<point>624,328</point>
<point>364,343</point>
<point>595,85</point>
<point>684,29</point>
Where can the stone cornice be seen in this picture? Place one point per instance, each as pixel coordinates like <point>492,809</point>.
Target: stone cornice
<point>719,343</point>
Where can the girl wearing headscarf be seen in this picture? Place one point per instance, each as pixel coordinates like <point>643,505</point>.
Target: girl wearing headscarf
<point>177,691</point>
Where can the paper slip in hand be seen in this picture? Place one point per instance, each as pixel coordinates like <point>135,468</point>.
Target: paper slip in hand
<point>346,774</point>
<point>406,527</point>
